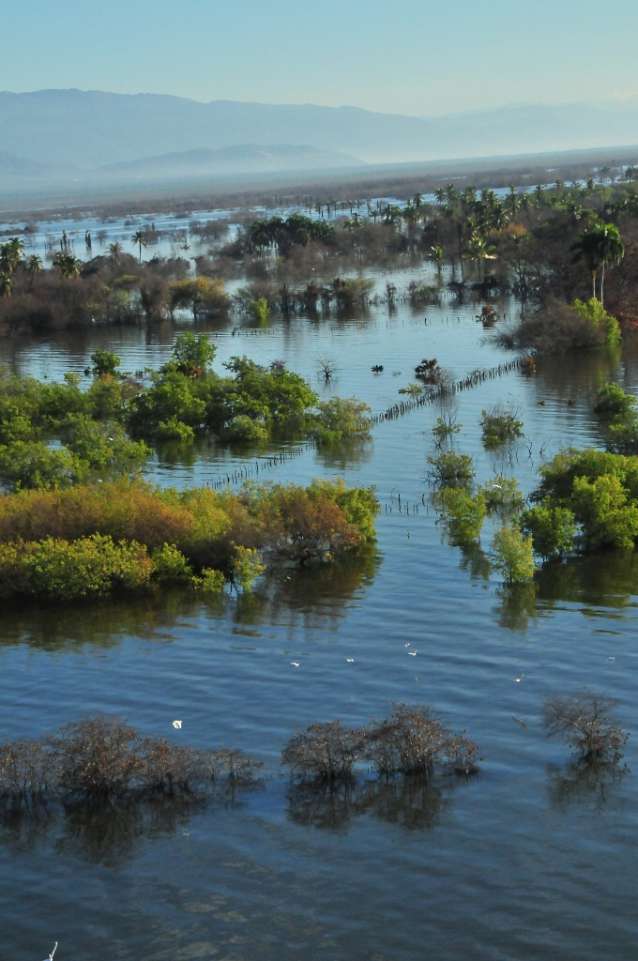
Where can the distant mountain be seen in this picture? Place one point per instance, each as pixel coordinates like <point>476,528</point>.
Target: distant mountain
<point>246,158</point>
<point>12,166</point>
<point>162,137</point>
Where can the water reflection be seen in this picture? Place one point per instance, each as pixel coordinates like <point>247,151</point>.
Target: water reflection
<point>317,594</point>
<point>104,834</point>
<point>346,455</point>
<point>100,624</point>
<point>596,784</point>
<point>413,803</point>
<point>516,606</point>
<point>608,579</point>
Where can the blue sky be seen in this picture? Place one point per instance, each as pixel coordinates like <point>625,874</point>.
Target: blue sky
<point>406,56</point>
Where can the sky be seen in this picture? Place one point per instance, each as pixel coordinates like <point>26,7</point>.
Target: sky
<point>416,57</point>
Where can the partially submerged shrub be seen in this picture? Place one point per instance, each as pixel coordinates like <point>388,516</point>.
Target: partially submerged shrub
<point>462,513</point>
<point>102,758</point>
<point>585,721</point>
<point>62,570</point>
<point>450,468</point>
<point>618,411</point>
<point>413,740</point>
<point>324,752</point>
<point>552,529</point>
<point>445,427</point>
<point>97,758</point>
<point>502,494</point>
<point>513,555</point>
<point>612,401</point>
<point>499,426</point>
<point>342,418</point>
<point>561,328</point>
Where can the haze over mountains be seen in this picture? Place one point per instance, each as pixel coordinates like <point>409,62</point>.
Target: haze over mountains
<point>90,136</point>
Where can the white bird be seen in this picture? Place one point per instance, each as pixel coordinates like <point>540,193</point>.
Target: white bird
<point>295,663</point>
<point>177,724</point>
<point>413,653</point>
<point>50,958</point>
<point>495,487</point>
<point>350,660</point>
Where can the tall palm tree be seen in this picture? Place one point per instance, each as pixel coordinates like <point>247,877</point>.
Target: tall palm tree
<point>139,239</point>
<point>599,246</point>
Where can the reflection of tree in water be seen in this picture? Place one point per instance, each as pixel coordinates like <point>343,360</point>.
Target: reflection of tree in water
<point>322,806</point>
<point>516,606</point>
<point>347,454</point>
<point>563,377</point>
<point>316,593</point>
<point>608,578</point>
<point>414,802</point>
<point>111,834</point>
<point>585,782</point>
<point>100,834</point>
<point>24,830</point>
<point>475,561</point>
<point>98,624</point>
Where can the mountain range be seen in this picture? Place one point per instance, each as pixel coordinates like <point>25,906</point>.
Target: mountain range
<point>92,136</point>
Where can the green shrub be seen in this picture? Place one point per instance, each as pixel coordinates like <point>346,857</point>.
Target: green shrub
<point>259,311</point>
<point>502,494</point>
<point>462,514</point>
<point>174,429</point>
<point>63,570</point>
<point>210,581</point>
<point>341,418</point>
<point>593,312</point>
<point>245,430</point>
<point>170,565</point>
<point>513,555</point>
<point>246,566</point>
<point>606,516</point>
<point>104,362</point>
<point>612,401</point>
<point>552,529</point>
<point>450,468</point>
<point>499,426</point>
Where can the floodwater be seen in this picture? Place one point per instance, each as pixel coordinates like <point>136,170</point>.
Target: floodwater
<point>529,859</point>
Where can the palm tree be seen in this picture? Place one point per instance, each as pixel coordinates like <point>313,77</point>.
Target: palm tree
<point>68,265</point>
<point>115,251</point>
<point>598,247</point>
<point>10,255</point>
<point>437,256</point>
<point>34,266</point>
<point>139,238</point>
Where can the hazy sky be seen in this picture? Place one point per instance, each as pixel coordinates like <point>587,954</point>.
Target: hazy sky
<point>406,56</point>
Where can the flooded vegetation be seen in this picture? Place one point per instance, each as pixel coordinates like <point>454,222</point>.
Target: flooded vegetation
<point>422,510</point>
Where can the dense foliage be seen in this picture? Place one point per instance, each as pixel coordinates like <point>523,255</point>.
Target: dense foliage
<point>58,434</point>
<point>93,540</point>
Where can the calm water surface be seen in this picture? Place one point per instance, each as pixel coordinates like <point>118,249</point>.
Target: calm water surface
<point>527,860</point>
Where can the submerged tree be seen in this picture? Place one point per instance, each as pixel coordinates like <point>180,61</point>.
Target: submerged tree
<point>584,720</point>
